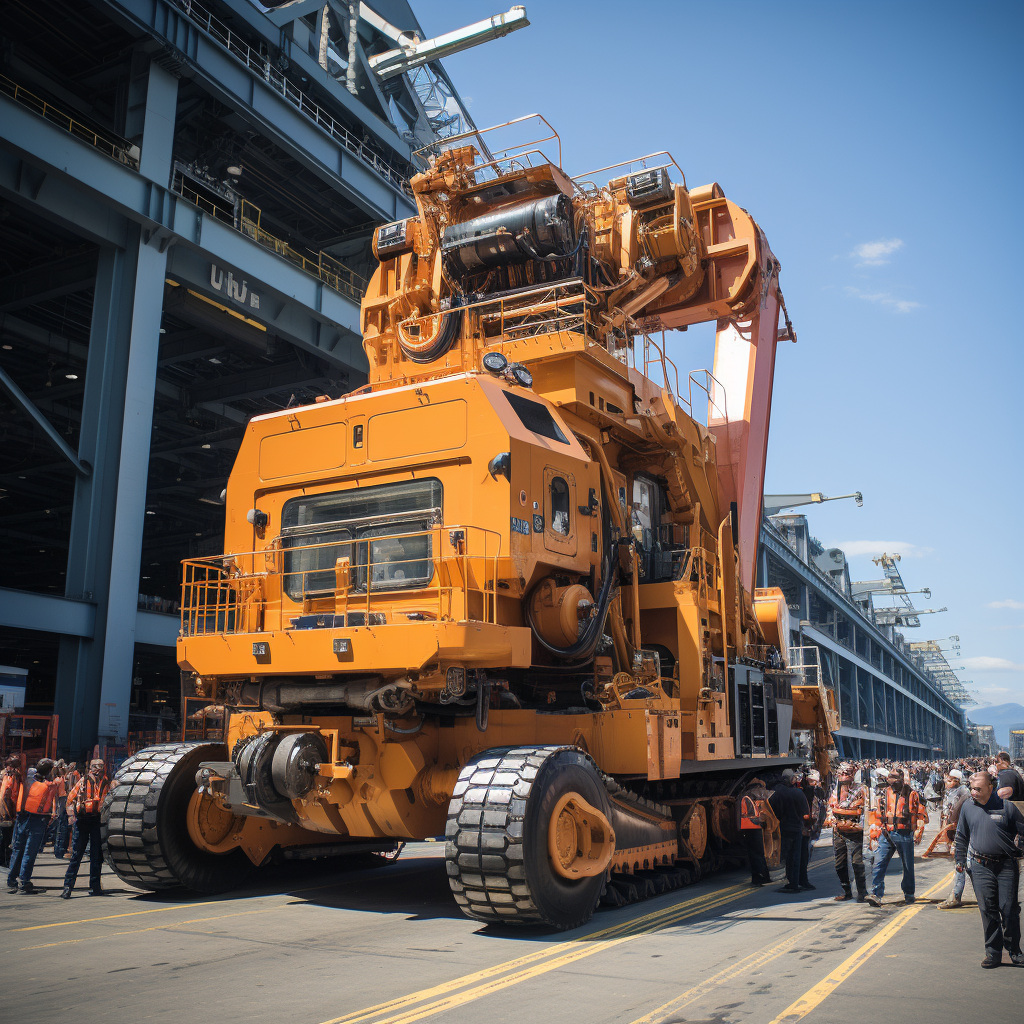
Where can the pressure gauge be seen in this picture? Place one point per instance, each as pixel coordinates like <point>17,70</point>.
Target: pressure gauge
<point>495,362</point>
<point>521,375</point>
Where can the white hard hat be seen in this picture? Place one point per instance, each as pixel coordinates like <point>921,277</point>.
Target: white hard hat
<point>955,773</point>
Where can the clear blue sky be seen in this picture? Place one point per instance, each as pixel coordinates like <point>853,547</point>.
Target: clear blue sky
<point>879,146</point>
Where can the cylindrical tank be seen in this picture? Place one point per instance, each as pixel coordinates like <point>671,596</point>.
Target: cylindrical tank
<point>556,612</point>
<point>537,230</point>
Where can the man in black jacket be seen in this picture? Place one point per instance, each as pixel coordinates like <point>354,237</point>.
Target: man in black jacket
<point>989,825</point>
<point>790,806</point>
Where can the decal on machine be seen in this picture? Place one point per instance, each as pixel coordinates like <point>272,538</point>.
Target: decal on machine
<point>538,524</point>
<point>520,526</point>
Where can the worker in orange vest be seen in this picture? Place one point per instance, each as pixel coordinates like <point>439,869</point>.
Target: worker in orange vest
<point>34,804</point>
<point>846,819</point>
<point>10,781</point>
<point>751,808</point>
<point>898,819</point>
<point>85,802</point>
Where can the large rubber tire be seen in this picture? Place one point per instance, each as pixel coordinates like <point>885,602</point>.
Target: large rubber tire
<point>145,829</point>
<point>497,836</point>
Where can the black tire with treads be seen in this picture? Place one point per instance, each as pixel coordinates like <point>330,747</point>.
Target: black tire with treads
<point>497,836</point>
<point>145,829</point>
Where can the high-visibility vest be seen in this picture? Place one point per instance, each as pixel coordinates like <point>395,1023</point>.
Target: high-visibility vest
<point>88,795</point>
<point>848,812</point>
<point>749,810</point>
<point>898,812</point>
<point>37,798</point>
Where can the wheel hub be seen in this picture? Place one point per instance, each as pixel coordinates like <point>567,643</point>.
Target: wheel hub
<point>211,827</point>
<point>580,838</point>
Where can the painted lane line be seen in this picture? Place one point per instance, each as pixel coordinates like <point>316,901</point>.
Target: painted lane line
<point>111,917</point>
<point>819,993</point>
<point>155,928</point>
<point>355,1016</point>
<point>691,995</point>
<point>633,930</point>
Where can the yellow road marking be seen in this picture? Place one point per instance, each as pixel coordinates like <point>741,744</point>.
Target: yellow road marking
<point>161,910</point>
<point>758,959</point>
<point>508,965</point>
<point>111,917</point>
<point>816,995</point>
<point>154,928</point>
<point>488,988</point>
<point>552,957</point>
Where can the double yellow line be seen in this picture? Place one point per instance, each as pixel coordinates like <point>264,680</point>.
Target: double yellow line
<point>430,1001</point>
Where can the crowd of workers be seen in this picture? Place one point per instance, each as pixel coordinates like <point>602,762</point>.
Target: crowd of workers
<point>878,810</point>
<point>54,802</point>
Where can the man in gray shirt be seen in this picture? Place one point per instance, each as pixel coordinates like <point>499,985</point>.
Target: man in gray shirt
<point>989,826</point>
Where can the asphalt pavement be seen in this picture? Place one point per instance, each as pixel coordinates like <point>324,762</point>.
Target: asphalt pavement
<point>326,943</point>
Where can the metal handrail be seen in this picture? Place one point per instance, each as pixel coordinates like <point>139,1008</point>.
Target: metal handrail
<point>447,142</point>
<point>249,592</point>
<point>120,150</point>
<point>261,65</point>
<point>642,160</point>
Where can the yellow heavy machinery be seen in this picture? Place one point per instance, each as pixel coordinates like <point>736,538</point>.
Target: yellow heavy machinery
<point>506,591</point>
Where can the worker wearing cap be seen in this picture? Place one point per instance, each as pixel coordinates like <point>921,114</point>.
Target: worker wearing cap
<point>85,802</point>
<point>33,804</point>
<point>898,819</point>
<point>846,808</point>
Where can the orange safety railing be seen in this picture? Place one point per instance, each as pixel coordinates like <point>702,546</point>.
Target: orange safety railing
<point>444,573</point>
<point>119,149</point>
<point>559,306</point>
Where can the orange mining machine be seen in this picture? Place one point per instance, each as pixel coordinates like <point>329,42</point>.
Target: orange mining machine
<point>506,591</point>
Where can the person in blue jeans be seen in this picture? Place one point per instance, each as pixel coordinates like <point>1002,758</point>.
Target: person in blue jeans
<point>34,805</point>
<point>897,823</point>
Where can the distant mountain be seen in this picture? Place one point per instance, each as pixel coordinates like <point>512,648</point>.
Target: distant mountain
<point>1000,717</point>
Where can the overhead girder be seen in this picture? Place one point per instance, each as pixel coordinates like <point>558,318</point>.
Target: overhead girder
<point>50,281</point>
<point>106,195</point>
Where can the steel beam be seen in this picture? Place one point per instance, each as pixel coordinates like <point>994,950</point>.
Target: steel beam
<point>156,628</point>
<point>80,659</point>
<point>45,613</point>
<point>773,541</point>
<point>198,55</point>
<point>298,307</point>
<point>49,281</point>
<point>22,400</point>
<point>130,509</point>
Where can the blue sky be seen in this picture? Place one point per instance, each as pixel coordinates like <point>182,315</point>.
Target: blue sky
<point>879,146</point>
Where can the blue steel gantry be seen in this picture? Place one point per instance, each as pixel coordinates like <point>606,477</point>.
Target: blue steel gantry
<point>187,194</point>
<point>894,701</point>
